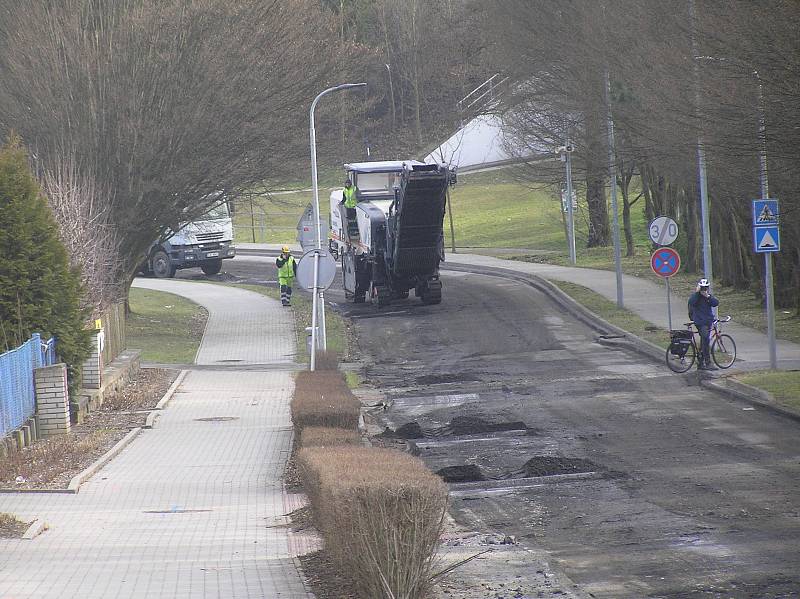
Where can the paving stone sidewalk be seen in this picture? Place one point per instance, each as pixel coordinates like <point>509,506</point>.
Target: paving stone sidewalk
<point>194,507</point>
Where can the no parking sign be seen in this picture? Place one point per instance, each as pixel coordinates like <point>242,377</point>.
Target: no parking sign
<point>665,262</point>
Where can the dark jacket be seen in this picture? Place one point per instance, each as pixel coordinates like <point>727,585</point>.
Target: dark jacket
<point>700,311</point>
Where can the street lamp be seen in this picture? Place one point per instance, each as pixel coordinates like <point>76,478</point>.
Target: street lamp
<point>565,153</point>
<point>318,301</point>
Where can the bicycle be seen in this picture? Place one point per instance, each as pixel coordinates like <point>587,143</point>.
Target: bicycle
<point>683,349</point>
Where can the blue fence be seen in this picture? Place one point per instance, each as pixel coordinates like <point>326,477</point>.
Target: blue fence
<point>17,399</point>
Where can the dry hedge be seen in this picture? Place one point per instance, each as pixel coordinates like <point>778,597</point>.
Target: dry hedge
<point>322,398</point>
<point>381,513</point>
<point>320,436</point>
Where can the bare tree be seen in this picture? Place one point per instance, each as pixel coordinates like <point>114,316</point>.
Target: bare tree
<point>162,102</point>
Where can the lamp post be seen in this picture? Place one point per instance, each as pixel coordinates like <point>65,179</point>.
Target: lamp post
<point>318,301</point>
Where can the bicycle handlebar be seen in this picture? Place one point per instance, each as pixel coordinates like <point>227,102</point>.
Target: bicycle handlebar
<point>716,320</point>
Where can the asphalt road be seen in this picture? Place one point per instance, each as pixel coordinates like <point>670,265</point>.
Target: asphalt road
<point>637,482</point>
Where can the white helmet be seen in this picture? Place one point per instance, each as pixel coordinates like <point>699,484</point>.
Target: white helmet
<point>703,283</point>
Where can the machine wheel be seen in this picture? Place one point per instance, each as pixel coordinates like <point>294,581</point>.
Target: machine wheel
<point>431,293</point>
<point>160,265</point>
<point>211,268</point>
<point>381,296</point>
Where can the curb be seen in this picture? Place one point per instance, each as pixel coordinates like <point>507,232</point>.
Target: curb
<point>36,528</point>
<point>730,388</point>
<point>171,391</point>
<point>82,477</point>
<point>752,395</point>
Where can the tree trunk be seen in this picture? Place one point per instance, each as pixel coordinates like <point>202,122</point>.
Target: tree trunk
<point>595,179</point>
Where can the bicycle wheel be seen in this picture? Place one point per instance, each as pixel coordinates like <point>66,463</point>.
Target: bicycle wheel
<point>684,362</point>
<point>723,351</point>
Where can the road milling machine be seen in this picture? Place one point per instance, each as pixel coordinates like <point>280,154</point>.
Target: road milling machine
<point>395,242</point>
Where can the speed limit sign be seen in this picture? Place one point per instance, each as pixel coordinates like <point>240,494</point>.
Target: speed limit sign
<point>663,230</point>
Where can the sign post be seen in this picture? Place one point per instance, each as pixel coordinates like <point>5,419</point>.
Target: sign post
<point>665,262</point>
<point>767,241</point>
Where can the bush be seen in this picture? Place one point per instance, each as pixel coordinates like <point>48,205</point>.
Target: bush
<point>319,436</point>
<point>38,290</point>
<point>380,512</point>
<point>322,398</point>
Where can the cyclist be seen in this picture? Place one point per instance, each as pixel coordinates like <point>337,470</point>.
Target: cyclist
<point>701,304</point>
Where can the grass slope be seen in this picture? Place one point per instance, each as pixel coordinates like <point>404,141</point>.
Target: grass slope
<point>166,327</point>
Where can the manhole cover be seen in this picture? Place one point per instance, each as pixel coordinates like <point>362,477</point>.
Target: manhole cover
<point>217,419</point>
<point>461,474</point>
<point>550,465</point>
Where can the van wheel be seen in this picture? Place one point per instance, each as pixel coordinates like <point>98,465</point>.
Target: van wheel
<point>211,268</point>
<point>160,265</point>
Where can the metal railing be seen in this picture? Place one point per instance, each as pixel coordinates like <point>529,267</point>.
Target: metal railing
<point>484,93</point>
<point>17,396</point>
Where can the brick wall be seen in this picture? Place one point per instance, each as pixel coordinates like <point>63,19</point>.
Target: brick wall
<point>93,366</point>
<point>52,400</point>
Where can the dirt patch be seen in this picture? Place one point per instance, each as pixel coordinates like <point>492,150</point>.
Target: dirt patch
<point>410,430</point>
<point>458,426</point>
<point>456,377</point>
<point>11,528</point>
<point>551,465</point>
<point>469,425</point>
<point>461,474</point>
<point>51,463</point>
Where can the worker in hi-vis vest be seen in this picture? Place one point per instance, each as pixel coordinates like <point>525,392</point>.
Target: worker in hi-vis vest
<point>287,269</point>
<point>350,200</point>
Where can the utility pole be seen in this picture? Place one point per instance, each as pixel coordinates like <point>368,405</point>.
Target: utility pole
<point>701,156</point>
<point>612,168</point>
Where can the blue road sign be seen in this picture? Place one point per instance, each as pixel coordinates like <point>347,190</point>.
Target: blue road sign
<point>765,213</point>
<point>766,239</point>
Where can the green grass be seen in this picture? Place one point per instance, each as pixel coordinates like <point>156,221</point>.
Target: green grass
<point>273,219</point>
<point>608,310</point>
<point>166,327</point>
<point>784,386</point>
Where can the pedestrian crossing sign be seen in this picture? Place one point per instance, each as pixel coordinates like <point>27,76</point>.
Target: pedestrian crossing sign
<point>767,239</point>
<point>765,213</point>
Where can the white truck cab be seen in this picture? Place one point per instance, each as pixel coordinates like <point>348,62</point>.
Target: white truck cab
<point>203,244</point>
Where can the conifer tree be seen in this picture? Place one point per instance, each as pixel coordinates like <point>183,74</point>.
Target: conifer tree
<point>38,290</point>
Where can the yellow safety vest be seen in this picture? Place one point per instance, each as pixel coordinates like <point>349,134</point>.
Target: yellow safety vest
<point>350,200</point>
<point>286,272</point>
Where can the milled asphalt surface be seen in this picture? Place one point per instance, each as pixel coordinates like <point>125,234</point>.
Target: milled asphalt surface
<point>194,507</point>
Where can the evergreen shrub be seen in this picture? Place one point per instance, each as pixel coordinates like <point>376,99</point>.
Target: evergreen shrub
<point>39,292</point>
